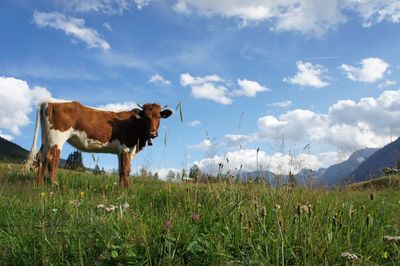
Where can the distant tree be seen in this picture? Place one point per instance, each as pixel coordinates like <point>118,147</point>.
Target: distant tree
<point>74,161</point>
<point>171,175</point>
<point>195,172</point>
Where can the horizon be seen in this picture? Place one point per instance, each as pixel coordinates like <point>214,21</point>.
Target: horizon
<point>285,86</point>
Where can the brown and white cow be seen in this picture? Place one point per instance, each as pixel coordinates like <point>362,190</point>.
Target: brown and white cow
<point>93,130</point>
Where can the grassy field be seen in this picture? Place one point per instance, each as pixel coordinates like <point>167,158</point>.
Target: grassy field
<point>90,220</point>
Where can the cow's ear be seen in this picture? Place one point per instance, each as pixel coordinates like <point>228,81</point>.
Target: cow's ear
<point>166,112</point>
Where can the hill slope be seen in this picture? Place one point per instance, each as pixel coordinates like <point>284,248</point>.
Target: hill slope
<point>334,174</point>
<point>11,152</point>
<point>372,167</point>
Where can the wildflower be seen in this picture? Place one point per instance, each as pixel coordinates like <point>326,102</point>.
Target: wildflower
<point>42,194</point>
<point>51,194</point>
<point>392,239</point>
<point>277,207</point>
<point>349,256</point>
<point>125,205</point>
<point>100,206</point>
<point>111,208</point>
<point>54,210</point>
<point>196,217</point>
<point>167,225</point>
<point>82,194</point>
<point>74,202</point>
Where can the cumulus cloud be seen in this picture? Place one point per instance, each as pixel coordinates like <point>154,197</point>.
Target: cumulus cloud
<point>347,126</point>
<point>251,160</point>
<point>16,102</point>
<point>117,107</point>
<point>194,123</point>
<point>71,26</point>
<point>309,75</point>
<point>159,80</point>
<point>248,88</point>
<point>282,104</point>
<point>215,88</point>
<point>163,172</point>
<point>371,70</point>
<point>205,145</point>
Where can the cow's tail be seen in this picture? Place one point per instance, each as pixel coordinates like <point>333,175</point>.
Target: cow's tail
<point>28,164</point>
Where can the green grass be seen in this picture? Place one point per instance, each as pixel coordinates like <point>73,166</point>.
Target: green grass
<point>238,224</point>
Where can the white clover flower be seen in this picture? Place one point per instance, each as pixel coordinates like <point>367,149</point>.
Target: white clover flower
<point>101,206</point>
<point>54,210</point>
<point>349,256</point>
<point>125,205</point>
<point>111,208</point>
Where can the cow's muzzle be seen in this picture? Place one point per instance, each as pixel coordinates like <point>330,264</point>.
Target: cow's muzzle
<point>152,135</point>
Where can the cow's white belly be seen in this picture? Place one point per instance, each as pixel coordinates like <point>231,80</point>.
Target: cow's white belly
<point>81,141</point>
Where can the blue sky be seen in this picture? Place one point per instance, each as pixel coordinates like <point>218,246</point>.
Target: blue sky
<point>273,75</point>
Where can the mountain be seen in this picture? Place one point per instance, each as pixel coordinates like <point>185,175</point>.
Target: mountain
<point>388,156</point>
<point>11,152</point>
<point>334,174</point>
<point>308,177</point>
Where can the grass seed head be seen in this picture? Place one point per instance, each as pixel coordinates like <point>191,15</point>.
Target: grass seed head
<point>167,225</point>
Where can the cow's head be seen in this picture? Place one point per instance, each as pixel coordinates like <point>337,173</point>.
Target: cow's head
<point>151,114</point>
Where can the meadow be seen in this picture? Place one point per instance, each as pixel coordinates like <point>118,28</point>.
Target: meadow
<point>90,220</point>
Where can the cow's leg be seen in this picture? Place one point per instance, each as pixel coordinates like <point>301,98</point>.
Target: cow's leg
<point>53,161</point>
<point>42,164</point>
<point>124,168</point>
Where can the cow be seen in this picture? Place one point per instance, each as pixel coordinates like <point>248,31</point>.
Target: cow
<point>94,130</point>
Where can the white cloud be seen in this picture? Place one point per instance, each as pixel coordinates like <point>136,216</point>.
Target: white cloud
<point>72,27</point>
<point>159,80</point>
<point>205,145</point>
<point>194,123</point>
<point>142,3</point>
<point>163,172</point>
<point>312,17</point>
<point>248,88</point>
<point>188,80</point>
<point>107,26</point>
<point>282,104</point>
<point>117,107</point>
<point>309,75</point>
<point>215,88</point>
<point>212,92</point>
<point>347,126</point>
<point>374,12</point>
<point>109,7</point>
<point>387,83</point>
<point>206,88</point>
<point>305,16</point>
<point>372,69</point>
<point>6,136</point>
<point>250,160</point>
<point>16,102</point>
